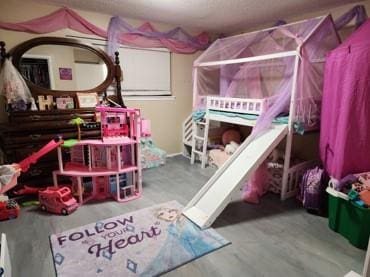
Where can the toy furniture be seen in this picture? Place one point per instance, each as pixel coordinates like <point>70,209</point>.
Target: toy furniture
<point>251,79</point>
<point>28,130</point>
<point>108,167</point>
<point>151,155</point>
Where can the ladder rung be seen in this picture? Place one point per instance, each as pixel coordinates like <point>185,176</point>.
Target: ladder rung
<point>187,142</point>
<point>198,137</point>
<point>200,123</point>
<point>198,152</point>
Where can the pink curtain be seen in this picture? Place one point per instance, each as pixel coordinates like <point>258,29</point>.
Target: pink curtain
<point>177,40</point>
<point>58,20</point>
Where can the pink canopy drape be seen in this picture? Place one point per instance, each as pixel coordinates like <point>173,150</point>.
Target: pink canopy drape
<point>120,32</point>
<point>60,19</point>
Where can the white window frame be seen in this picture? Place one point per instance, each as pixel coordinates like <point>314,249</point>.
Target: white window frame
<point>98,42</point>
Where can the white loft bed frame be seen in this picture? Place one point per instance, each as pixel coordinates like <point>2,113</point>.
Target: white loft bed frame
<point>292,175</point>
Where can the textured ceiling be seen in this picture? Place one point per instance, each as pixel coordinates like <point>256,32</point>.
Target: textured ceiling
<point>208,15</point>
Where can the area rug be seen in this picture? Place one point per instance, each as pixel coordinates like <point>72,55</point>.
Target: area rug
<point>147,242</point>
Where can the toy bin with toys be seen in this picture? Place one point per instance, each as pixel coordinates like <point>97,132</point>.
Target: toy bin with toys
<point>348,218</point>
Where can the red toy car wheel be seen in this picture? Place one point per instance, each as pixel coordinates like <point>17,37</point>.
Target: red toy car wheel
<point>64,212</point>
<point>43,207</point>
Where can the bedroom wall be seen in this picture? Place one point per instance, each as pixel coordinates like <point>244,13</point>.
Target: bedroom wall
<point>166,115</point>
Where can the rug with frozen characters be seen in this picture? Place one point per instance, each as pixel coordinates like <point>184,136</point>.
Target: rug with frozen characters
<point>147,242</point>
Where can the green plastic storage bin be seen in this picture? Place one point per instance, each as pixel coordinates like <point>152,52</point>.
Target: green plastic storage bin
<point>348,219</point>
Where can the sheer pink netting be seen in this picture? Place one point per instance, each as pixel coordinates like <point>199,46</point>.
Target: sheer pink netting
<point>119,31</point>
<point>60,19</point>
<point>216,73</point>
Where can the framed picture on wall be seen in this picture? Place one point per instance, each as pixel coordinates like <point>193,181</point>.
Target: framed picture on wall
<point>65,73</point>
<point>87,100</point>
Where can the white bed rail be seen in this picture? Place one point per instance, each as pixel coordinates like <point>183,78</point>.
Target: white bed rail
<point>237,105</point>
<point>295,174</point>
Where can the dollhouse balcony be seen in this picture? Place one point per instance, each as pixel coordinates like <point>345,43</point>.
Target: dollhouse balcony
<point>108,141</point>
<point>72,169</point>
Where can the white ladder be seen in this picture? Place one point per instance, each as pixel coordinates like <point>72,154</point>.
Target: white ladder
<point>200,138</point>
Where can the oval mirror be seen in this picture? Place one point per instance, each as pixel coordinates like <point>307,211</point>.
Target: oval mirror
<point>60,67</point>
<point>63,65</point>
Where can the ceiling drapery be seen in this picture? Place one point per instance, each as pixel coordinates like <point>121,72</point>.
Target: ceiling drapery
<point>177,40</point>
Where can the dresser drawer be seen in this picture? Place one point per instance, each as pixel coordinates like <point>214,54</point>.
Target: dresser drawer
<point>59,115</point>
<point>17,140</point>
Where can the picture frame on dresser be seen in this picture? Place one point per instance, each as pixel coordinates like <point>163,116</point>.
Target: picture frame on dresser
<point>64,103</point>
<point>87,100</point>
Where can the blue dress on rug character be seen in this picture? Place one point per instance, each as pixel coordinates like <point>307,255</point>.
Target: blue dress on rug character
<point>184,243</point>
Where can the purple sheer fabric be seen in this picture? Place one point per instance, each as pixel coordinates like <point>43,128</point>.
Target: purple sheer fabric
<point>358,12</point>
<point>119,31</point>
<point>58,20</point>
<point>177,39</point>
<point>269,78</point>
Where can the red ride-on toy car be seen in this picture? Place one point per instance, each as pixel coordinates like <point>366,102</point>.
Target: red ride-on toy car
<point>57,200</point>
<point>9,209</point>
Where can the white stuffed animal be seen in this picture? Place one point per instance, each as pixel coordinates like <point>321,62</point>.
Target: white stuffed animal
<point>231,147</point>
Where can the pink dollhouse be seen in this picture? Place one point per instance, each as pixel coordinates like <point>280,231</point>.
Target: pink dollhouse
<point>108,167</point>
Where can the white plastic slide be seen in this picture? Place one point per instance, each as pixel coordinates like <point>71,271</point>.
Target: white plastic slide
<point>5,266</point>
<point>216,194</point>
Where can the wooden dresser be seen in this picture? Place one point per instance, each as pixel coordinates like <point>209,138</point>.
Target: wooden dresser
<point>28,131</point>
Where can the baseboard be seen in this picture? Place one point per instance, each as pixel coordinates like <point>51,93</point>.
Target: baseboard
<point>186,156</point>
<point>173,155</point>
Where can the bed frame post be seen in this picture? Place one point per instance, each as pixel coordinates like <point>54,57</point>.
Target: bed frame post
<point>195,85</point>
<point>288,146</point>
<point>118,79</point>
<point>194,127</point>
<point>2,52</point>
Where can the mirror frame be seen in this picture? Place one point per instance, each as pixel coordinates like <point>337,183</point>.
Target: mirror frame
<point>17,52</point>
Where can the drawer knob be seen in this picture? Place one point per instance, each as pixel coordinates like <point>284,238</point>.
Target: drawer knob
<point>35,117</point>
<point>35,172</point>
<point>35,136</point>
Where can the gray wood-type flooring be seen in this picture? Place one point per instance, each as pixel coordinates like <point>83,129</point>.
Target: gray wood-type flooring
<point>271,239</point>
